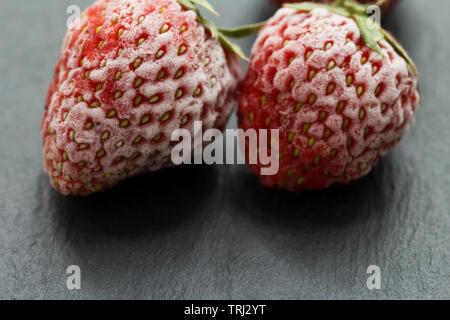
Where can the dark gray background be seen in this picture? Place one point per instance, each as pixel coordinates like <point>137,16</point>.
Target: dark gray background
<point>214,232</point>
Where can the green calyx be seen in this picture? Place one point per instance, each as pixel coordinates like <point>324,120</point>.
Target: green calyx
<point>371,32</point>
<point>220,33</point>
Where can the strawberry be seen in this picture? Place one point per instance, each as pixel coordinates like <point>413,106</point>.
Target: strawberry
<point>340,89</point>
<point>385,4</point>
<point>130,73</point>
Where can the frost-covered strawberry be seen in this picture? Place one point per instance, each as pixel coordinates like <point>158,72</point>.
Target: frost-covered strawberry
<point>340,89</point>
<point>130,73</point>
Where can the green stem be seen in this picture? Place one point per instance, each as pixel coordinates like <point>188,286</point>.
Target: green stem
<point>242,32</point>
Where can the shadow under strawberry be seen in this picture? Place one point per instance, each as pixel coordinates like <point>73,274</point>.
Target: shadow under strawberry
<point>135,237</point>
<point>332,235</point>
<point>151,204</point>
<point>334,208</point>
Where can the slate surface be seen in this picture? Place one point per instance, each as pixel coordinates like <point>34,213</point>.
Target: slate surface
<point>213,232</point>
